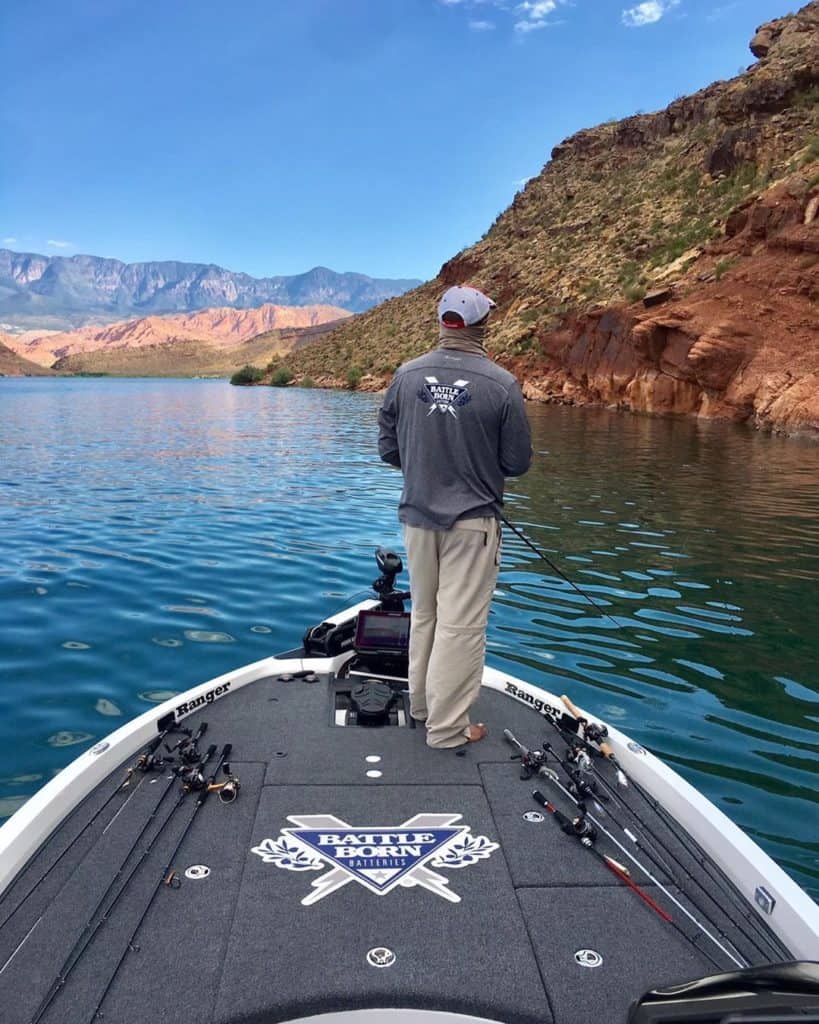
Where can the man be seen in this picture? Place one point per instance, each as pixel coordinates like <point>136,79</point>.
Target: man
<point>455,423</point>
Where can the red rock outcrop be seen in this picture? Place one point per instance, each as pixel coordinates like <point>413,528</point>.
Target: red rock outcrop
<point>744,347</point>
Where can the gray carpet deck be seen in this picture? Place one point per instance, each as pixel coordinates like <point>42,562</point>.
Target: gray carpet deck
<point>241,945</point>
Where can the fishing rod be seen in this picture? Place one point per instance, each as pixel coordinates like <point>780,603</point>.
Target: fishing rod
<point>593,742</point>
<point>558,571</point>
<point>536,762</point>
<point>552,777</point>
<point>585,833</point>
<point>165,879</point>
<point>191,778</point>
<point>145,762</point>
<point>656,859</point>
<point>582,787</point>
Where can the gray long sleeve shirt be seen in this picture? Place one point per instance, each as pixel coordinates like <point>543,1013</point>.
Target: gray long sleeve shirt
<point>456,425</point>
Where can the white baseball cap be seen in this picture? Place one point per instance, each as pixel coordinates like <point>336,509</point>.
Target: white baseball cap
<point>468,303</point>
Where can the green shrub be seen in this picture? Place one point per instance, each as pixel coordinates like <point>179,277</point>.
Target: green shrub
<point>807,99</point>
<point>306,382</point>
<point>247,375</point>
<point>691,183</point>
<point>281,378</point>
<point>354,376</point>
<point>628,272</point>
<point>722,267</point>
<point>635,293</point>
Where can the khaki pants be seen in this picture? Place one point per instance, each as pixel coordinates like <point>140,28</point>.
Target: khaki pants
<point>452,579</point>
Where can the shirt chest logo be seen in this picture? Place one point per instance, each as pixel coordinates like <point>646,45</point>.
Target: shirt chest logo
<point>444,398</point>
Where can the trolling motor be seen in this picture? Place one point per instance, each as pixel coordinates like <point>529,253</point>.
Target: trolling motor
<point>390,565</point>
<point>328,639</point>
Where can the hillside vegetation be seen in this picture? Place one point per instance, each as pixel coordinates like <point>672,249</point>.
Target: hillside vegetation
<point>712,201</point>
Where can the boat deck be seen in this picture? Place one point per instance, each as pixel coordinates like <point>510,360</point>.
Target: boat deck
<point>240,945</point>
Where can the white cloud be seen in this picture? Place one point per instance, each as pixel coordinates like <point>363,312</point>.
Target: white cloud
<point>58,243</point>
<point>9,240</point>
<point>647,12</point>
<point>535,14</point>
<point>527,16</point>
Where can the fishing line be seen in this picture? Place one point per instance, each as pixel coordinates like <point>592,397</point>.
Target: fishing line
<point>559,571</point>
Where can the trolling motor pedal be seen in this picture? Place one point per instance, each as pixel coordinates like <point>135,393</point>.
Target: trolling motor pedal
<point>371,701</point>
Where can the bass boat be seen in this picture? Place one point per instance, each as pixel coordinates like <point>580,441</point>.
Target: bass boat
<point>279,844</point>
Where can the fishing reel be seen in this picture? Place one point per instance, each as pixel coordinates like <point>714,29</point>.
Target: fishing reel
<point>585,788</point>
<point>594,732</point>
<point>227,790</point>
<point>582,829</point>
<point>188,753</point>
<point>578,756</point>
<point>533,762</point>
<point>193,778</point>
<point>149,762</point>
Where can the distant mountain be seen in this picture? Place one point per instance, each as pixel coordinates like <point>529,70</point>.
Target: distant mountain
<point>211,328</point>
<point>12,365</point>
<point>63,292</point>
<point>187,357</point>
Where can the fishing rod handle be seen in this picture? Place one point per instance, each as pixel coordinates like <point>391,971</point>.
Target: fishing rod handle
<point>510,737</point>
<point>564,822</point>
<point>605,748</point>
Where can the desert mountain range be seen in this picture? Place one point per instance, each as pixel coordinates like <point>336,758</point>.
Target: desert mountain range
<point>221,328</point>
<point>668,262</point>
<point>64,292</point>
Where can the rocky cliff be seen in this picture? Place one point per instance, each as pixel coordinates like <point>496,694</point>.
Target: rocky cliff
<point>666,263</point>
<point>216,327</point>
<point>59,292</point>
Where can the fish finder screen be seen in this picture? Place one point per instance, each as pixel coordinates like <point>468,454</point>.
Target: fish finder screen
<point>387,632</point>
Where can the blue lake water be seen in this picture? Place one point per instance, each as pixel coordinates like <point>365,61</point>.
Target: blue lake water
<point>156,533</point>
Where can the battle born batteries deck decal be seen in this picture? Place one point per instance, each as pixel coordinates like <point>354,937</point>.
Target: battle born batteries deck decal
<point>378,858</point>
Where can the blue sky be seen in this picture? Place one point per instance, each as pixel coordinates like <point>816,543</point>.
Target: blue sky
<point>270,136</point>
